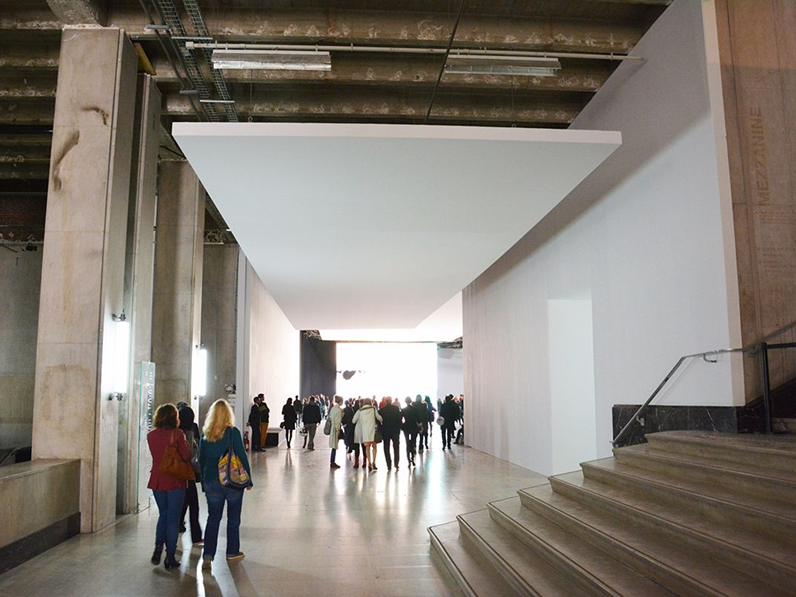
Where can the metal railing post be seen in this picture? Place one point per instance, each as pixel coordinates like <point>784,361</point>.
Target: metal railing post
<point>766,386</point>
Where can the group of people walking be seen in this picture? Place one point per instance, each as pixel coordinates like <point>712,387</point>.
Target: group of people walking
<point>183,457</point>
<point>362,424</point>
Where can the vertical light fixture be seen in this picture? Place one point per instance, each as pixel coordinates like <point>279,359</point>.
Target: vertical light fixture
<point>200,372</point>
<point>121,357</point>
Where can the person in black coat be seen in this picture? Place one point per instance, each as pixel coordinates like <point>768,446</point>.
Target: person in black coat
<point>299,406</point>
<point>191,502</point>
<point>391,431</point>
<point>450,412</point>
<point>254,423</point>
<point>423,418</point>
<point>311,416</point>
<point>289,417</point>
<point>410,426</point>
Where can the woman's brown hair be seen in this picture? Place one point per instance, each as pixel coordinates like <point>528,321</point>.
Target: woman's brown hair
<point>166,416</point>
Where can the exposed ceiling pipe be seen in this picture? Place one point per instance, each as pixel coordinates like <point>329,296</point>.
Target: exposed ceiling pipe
<point>411,50</point>
<point>218,79</point>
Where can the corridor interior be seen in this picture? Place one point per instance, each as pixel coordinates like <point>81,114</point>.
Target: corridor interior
<point>306,530</point>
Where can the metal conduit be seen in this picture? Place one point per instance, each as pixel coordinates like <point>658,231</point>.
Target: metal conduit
<point>218,80</point>
<point>170,16</point>
<point>411,50</point>
<point>199,110</point>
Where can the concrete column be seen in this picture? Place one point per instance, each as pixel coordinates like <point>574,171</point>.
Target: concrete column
<point>177,309</point>
<point>139,271</point>
<point>757,51</point>
<point>219,319</point>
<point>83,263</point>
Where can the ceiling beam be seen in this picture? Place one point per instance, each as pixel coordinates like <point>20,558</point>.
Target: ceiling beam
<point>12,140</point>
<point>28,16</point>
<point>308,26</point>
<point>382,105</point>
<point>79,12</point>
<point>19,86</point>
<point>28,58</point>
<point>39,112</point>
<point>24,171</point>
<point>31,154</point>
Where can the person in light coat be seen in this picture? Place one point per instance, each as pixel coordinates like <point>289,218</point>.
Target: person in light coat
<point>336,417</point>
<point>365,431</point>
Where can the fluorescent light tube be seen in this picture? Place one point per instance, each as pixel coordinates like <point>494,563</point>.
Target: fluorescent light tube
<point>272,60</point>
<point>477,64</point>
<point>200,372</point>
<point>121,356</point>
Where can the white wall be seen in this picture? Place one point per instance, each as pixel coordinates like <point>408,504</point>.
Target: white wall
<point>574,409</point>
<point>450,372</point>
<point>645,237</point>
<point>268,347</point>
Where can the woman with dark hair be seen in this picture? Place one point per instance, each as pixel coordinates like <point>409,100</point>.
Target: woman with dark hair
<point>289,416</point>
<point>169,492</point>
<point>191,503</point>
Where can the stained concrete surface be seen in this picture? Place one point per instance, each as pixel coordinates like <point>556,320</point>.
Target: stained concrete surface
<point>306,530</point>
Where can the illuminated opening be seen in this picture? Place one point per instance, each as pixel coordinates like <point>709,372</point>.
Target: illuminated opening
<point>397,370</point>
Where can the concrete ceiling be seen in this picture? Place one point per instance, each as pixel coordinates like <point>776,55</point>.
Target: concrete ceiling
<point>377,226</point>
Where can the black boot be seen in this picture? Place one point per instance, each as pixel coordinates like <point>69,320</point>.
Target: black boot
<point>156,555</point>
<point>171,562</point>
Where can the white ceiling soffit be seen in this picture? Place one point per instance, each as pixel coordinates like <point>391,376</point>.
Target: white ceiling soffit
<point>355,226</point>
<point>443,325</point>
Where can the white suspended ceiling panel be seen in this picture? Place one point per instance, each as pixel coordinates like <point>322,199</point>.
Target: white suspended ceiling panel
<point>443,325</point>
<point>354,226</point>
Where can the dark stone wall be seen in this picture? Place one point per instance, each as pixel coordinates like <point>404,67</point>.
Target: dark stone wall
<point>318,366</point>
<point>724,419</point>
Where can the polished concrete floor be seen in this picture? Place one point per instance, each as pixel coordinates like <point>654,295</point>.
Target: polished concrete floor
<point>306,530</point>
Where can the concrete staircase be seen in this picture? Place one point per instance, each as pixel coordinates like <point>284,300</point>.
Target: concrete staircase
<point>689,513</point>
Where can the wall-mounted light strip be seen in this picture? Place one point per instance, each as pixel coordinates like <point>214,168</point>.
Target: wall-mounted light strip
<point>120,372</point>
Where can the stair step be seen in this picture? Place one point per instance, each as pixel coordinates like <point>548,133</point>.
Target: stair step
<point>526,572</point>
<point>570,555</point>
<point>777,452</point>
<point>783,425</point>
<point>736,554</point>
<point>471,575</point>
<point>723,506</point>
<point>750,480</point>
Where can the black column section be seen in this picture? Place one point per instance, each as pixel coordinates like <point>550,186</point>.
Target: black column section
<point>318,366</point>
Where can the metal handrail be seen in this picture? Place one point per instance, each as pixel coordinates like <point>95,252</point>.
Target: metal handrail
<point>762,347</point>
<point>643,408</point>
<point>9,455</point>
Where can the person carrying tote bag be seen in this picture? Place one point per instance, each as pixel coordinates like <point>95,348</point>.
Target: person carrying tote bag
<point>225,474</point>
<point>171,468</point>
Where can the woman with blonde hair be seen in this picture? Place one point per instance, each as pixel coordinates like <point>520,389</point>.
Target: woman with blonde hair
<point>219,433</point>
<point>365,431</point>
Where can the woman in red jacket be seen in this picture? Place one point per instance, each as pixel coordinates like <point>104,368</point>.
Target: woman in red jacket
<point>169,492</point>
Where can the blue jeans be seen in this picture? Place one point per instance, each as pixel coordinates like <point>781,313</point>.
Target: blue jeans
<point>170,508</point>
<point>217,495</point>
